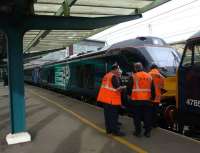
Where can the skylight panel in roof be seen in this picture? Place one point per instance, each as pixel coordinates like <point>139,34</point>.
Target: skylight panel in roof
<point>100,10</point>
<point>50,1</point>
<point>115,3</point>
<point>46,7</point>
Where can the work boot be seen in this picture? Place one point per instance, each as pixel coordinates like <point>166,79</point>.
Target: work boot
<point>119,133</point>
<point>119,124</point>
<point>147,134</point>
<point>137,134</point>
<point>108,132</point>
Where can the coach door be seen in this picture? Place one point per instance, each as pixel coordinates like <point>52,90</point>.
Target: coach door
<point>189,77</point>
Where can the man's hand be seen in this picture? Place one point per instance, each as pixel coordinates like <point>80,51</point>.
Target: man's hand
<point>121,88</point>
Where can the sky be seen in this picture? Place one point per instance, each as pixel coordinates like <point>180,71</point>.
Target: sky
<point>173,21</point>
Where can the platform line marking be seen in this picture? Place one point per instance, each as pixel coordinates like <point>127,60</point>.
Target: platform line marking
<point>118,139</point>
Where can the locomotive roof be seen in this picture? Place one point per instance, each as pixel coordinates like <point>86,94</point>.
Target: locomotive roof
<point>195,36</point>
<point>109,50</point>
<point>139,41</point>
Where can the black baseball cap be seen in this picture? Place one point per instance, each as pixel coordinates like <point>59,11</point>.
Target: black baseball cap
<point>115,66</point>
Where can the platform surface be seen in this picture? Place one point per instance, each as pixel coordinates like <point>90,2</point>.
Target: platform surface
<point>60,124</point>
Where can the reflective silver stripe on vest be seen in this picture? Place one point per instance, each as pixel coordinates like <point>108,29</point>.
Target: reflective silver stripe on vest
<point>138,90</point>
<point>106,87</point>
<point>137,86</point>
<point>156,75</point>
<point>136,81</point>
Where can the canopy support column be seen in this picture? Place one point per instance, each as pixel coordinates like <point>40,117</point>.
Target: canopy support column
<point>16,87</point>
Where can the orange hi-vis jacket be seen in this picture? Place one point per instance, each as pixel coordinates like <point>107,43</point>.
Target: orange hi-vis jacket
<point>141,90</point>
<point>108,94</point>
<point>158,80</point>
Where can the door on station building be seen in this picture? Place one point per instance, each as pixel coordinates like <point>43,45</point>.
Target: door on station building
<point>189,77</point>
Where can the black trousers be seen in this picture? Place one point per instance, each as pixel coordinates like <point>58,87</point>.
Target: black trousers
<point>142,111</point>
<point>155,113</point>
<point>111,118</point>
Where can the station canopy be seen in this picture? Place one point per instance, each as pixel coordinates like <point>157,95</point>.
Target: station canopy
<point>38,41</point>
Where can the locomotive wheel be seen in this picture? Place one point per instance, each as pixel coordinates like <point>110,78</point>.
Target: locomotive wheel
<point>170,115</point>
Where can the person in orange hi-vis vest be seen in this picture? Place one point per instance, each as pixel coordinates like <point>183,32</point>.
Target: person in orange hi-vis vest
<point>110,96</point>
<point>158,80</point>
<point>141,91</point>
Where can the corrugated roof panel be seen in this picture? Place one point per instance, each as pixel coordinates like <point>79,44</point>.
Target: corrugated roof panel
<point>100,10</point>
<point>63,38</point>
<point>89,15</point>
<point>67,32</point>
<point>92,8</point>
<point>29,37</point>
<point>33,31</point>
<point>115,3</point>
<point>46,7</point>
<point>50,1</point>
<point>43,48</point>
<point>44,13</point>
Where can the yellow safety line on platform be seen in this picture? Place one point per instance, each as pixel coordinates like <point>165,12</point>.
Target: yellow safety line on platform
<point>118,139</point>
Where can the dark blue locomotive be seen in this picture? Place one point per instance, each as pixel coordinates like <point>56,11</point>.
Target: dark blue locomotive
<point>188,103</point>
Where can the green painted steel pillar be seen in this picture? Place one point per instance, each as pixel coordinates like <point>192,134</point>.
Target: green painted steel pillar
<point>16,80</point>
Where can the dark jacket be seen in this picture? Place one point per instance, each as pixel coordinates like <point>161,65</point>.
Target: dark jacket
<point>116,82</point>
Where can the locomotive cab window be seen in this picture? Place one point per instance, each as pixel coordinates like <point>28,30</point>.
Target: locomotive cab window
<point>197,54</point>
<point>133,56</point>
<point>187,56</point>
<point>163,56</point>
<point>191,55</point>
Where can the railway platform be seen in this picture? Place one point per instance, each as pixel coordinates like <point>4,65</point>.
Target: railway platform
<point>60,124</point>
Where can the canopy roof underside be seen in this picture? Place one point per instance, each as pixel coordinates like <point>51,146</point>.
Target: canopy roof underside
<point>42,40</point>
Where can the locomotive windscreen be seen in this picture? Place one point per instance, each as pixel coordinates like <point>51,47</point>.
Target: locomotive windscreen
<point>166,58</point>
